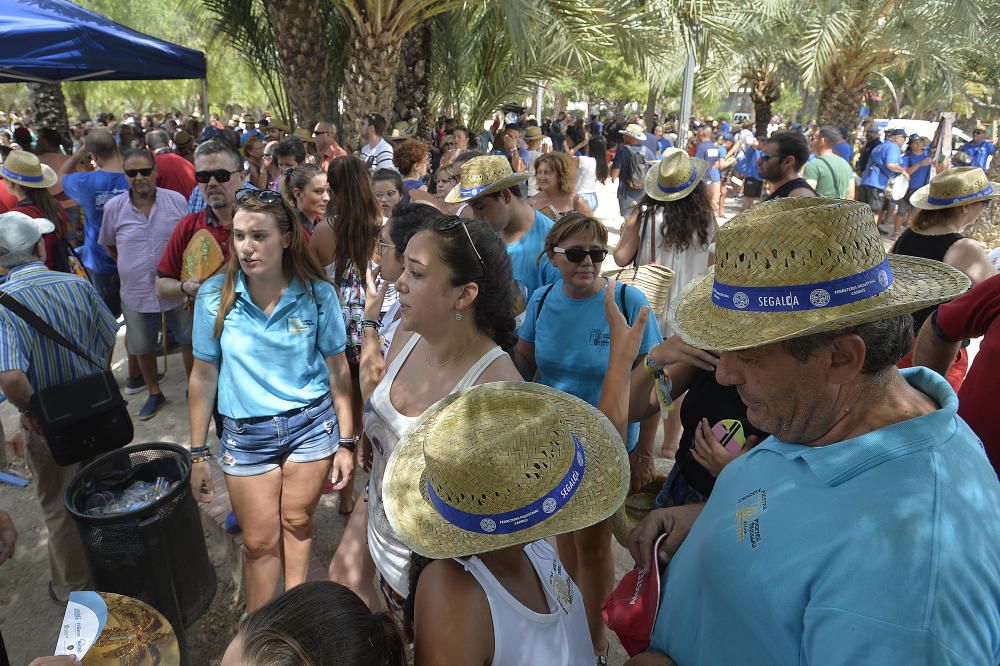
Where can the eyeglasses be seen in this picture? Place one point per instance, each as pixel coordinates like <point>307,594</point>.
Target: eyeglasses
<point>383,244</point>
<point>459,221</point>
<point>132,173</point>
<point>386,195</point>
<point>220,175</point>
<point>266,197</point>
<point>767,156</point>
<point>576,254</point>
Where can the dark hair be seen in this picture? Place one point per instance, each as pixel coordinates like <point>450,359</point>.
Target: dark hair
<point>406,220</point>
<point>494,305</point>
<point>829,134</point>
<point>791,143</point>
<point>684,221</point>
<point>157,139</point>
<point>219,148</point>
<point>51,136</point>
<point>290,146</point>
<point>388,174</point>
<point>139,152</point>
<point>886,342</point>
<point>232,139</point>
<point>598,149</point>
<point>318,623</point>
<point>465,129</point>
<point>357,213</point>
<point>515,191</point>
<point>297,179</point>
<point>376,120</point>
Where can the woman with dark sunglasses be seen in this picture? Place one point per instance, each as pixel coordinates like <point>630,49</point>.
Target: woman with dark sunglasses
<point>565,340</point>
<point>269,341</point>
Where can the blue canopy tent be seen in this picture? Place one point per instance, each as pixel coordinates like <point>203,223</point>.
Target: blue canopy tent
<point>49,41</point>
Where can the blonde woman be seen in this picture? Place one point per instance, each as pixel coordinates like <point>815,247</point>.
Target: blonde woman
<point>555,175</point>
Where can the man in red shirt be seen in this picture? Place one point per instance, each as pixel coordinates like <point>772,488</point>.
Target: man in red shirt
<point>174,172</point>
<point>973,314</point>
<point>219,172</point>
<point>325,133</point>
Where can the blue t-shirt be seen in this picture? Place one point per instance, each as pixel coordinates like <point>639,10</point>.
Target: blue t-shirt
<point>522,153</point>
<point>272,364</point>
<point>980,154</point>
<point>881,549</point>
<point>663,144</point>
<point>877,174</point>
<point>530,273</point>
<point>845,150</point>
<point>709,152</point>
<point>93,189</point>
<point>572,339</point>
<point>749,162</point>
<point>921,176</point>
<point>249,133</point>
<point>650,143</point>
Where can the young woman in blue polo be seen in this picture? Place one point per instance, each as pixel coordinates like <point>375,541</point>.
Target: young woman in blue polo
<point>269,341</point>
<point>565,338</point>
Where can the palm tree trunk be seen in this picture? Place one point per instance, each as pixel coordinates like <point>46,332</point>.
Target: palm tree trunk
<point>413,80</point>
<point>650,108</point>
<point>303,58</point>
<point>50,107</point>
<point>838,105</point>
<point>78,98</point>
<point>370,77</point>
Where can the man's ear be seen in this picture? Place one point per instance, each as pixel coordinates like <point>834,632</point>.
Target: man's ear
<point>847,358</point>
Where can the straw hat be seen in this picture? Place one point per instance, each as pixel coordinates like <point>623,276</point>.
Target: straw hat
<point>24,169</point>
<point>304,134</point>
<point>792,267</point>
<point>502,464</point>
<point>638,504</point>
<point>277,124</point>
<point>675,176</point>
<point>532,133</point>
<point>484,175</point>
<point>182,139</point>
<point>635,131</point>
<point>955,187</point>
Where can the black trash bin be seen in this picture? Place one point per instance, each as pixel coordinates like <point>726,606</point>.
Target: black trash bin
<point>156,553</point>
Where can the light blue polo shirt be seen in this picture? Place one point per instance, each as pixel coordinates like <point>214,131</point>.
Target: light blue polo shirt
<point>530,273</point>
<point>882,549</point>
<point>572,341</point>
<point>269,365</point>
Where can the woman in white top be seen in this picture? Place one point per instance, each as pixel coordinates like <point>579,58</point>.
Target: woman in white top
<point>555,175</point>
<point>591,167</point>
<point>456,324</point>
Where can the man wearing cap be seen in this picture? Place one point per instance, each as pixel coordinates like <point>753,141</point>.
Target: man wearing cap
<point>376,152</point>
<point>980,149</point>
<point>173,172</point>
<point>250,130</point>
<point>866,528</point>
<point>631,155</point>
<point>493,192</point>
<point>30,362</point>
<point>325,134</point>
<point>885,161</point>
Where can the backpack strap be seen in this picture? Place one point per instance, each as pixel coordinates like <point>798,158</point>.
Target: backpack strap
<point>541,301</point>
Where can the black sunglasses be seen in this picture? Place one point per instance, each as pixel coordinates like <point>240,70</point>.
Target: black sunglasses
<point>220,175</point>
<point>576,254</point>
<point>266,197</point>
<point>459,221</point>
<point>767,156</point>
<point>132,173</point>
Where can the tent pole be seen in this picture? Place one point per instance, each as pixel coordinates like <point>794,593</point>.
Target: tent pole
<point>204,100</point>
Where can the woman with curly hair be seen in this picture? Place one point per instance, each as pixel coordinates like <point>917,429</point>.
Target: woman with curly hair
<point>555,175</point>
<point>413,161</point>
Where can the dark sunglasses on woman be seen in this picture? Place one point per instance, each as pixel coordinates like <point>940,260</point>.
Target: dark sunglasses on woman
<point>266,197</point>
<point>575,254</point>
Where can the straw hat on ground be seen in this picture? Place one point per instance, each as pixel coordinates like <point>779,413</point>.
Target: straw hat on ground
<point>792,267</point>
<point>634,131</point>
<point>502,464</point>
<point>675,175</point>
<point>24,169</point>
<point>960,186</point>
<point>484,175</point>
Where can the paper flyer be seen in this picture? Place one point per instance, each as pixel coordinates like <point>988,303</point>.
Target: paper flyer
<point>86,615</point>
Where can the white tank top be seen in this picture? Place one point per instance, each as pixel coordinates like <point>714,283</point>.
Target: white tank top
<point>586,175</point>
<point>522,636</point>
<point>384,426</point>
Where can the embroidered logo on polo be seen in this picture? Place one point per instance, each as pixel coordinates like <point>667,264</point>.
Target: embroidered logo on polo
<point>748,510</point>
<point>518,519</point>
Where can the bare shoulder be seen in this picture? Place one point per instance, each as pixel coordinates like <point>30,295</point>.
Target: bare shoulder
<point>969,256</point>
<point>502,369</point>
<point>452,619</point>
<point>399,341</point>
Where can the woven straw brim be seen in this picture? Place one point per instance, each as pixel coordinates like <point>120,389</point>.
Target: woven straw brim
<point>652,182</point>
<point>917,284</point>
<point>919,198</point>
<point>455,196</point>
<point>49,178</point>
<point>653,280</point>
<point>417,524</point>
<point>638,504</point>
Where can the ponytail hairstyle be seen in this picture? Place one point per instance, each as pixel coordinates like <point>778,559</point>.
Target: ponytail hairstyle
<point>297,262</point>
<point>319,623</point>
<point>494,304</point>
<point>355,218</point>
<point>297,179</point>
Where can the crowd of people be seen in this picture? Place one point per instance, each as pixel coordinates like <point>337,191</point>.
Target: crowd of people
<point>436,312</point>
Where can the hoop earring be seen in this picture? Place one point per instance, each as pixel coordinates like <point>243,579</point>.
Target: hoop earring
<point>458,315</point>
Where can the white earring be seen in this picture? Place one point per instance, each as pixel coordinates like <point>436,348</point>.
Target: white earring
<point>458,315</point>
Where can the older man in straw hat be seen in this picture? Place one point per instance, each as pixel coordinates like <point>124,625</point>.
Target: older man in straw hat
<point>866,529</point>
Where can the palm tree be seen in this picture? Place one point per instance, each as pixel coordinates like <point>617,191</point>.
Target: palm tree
<point>49,103</point>
<point>413,82</point>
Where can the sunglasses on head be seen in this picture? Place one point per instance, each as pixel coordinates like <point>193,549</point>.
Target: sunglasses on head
<point>266,197</point>
<point>577,254</point>
<point>220,175</point>
<point>132,173</point>
<point>460,222</point>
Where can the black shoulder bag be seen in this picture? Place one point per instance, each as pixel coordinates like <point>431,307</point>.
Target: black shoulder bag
<point>80,418</point>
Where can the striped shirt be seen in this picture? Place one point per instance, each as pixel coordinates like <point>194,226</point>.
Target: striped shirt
<point>71,306</point>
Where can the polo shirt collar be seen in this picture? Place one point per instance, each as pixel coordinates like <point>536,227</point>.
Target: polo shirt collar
<point>30,267</point>
<point>292,291</point>
<point>836,463</point>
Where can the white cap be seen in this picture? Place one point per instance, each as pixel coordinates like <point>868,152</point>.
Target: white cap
<point>20,233</point>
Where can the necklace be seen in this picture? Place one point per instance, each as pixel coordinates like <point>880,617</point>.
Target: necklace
<point>450,360</point>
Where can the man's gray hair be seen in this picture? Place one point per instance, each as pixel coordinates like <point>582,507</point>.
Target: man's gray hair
<point>157,139</point>
<point>886,342</point>
<point>216,148</point>
<point>19,258</point>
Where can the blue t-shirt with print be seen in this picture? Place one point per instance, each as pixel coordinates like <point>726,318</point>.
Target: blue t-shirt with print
<point>877,174</point>
<point>921,176</point>
<point>93,189</point>
<point>530,273</point>
<point>572,338</point>
<point>879,549</point>
<point>272,363</point>
<point>980,154</point>
<point>709,152</point>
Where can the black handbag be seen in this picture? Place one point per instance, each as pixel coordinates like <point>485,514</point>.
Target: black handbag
<point>83,417</point>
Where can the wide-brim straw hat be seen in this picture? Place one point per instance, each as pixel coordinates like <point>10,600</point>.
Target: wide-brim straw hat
<point>638,504</point>
<point>533,132</point>
<point>955,187</point>
<point>634,131</point>
<point>502,464</point>
<point>484,175</point>
<point>304,134</point>
<point>24,168</point>
<point>675,176</point>
<point>277,124</point>
<point>793,267</point>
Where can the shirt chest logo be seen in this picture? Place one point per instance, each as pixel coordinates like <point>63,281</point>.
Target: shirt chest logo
<point>297,325</point>
<point>600,338</point>
<point>748,510</point>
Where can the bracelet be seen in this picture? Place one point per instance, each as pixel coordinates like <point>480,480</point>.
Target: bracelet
<point>652,368</point>
<point>349,443</point>
<point>640,456</point>
<point>369,323</point>
<point>183,293</point>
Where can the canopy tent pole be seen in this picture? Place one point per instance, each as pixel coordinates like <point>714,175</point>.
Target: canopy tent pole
<point>204,100</point>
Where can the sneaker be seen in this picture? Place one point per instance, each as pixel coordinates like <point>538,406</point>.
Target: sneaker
<point>153,404</point>
<point>134,385</point>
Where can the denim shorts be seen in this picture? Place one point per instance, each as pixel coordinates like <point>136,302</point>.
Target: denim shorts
<point>258,445</point>
<point>142,328</point>
<point>590,198</point>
